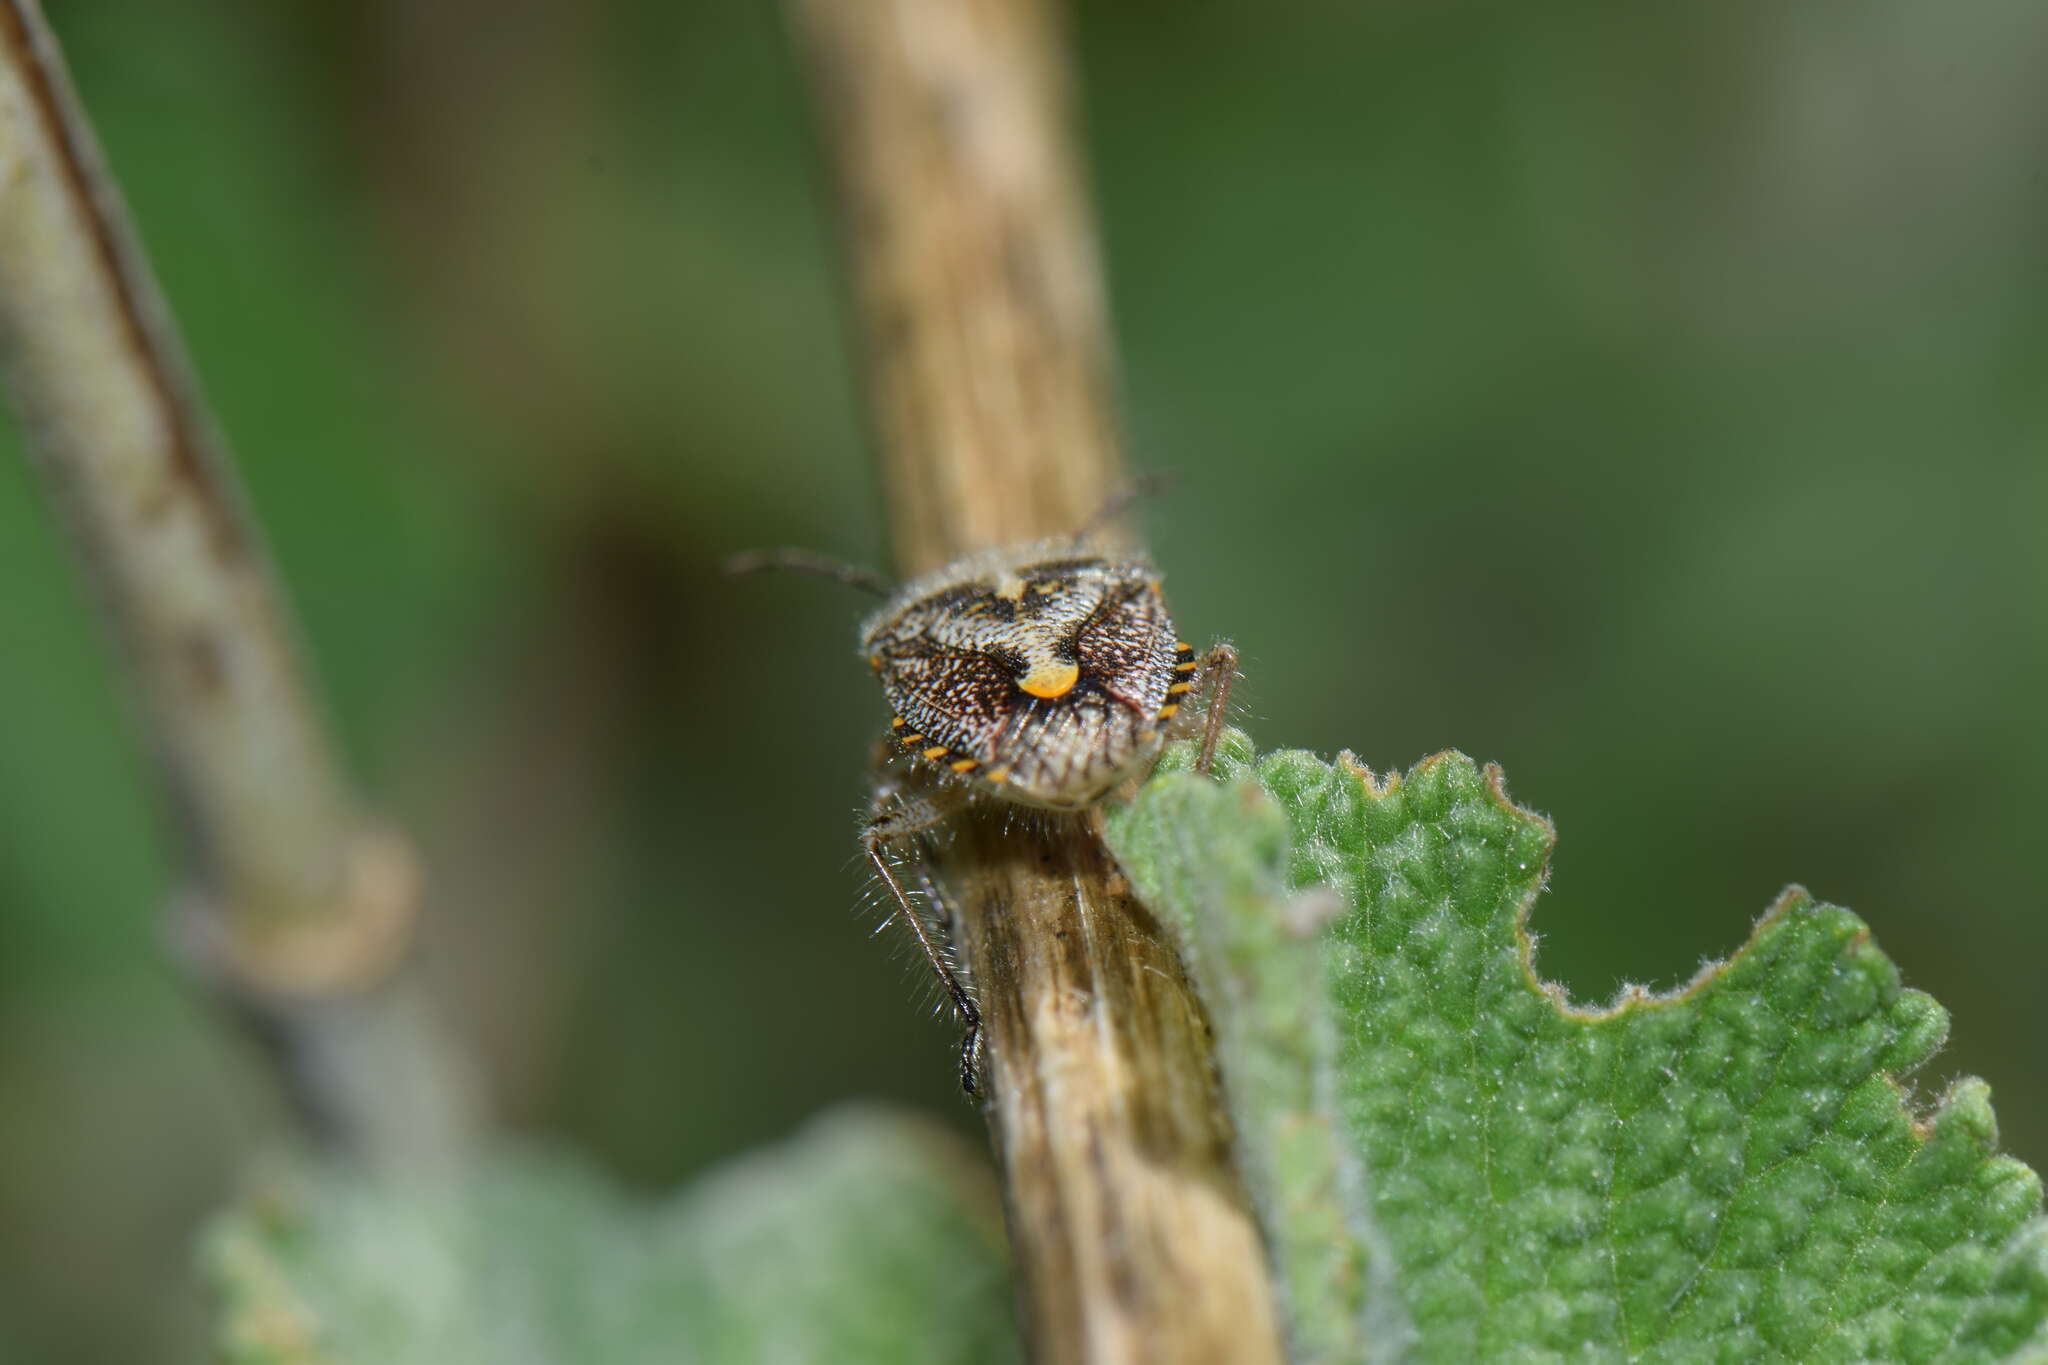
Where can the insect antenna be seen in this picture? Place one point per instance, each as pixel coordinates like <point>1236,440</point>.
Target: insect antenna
<point>1145,485</point>
<point>811,564</point>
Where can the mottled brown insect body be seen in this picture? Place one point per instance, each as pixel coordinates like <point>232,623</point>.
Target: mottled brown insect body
<point>1036,674</point>
<point>1042,675</point>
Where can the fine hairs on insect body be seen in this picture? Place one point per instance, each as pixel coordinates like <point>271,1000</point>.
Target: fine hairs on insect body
<point>1040,677</point>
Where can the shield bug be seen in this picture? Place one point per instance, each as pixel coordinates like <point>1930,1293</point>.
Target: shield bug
<point>1040,675</point>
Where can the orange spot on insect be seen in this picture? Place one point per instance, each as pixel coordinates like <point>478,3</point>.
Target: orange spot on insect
<point>1180,687</point>
<point>997,774</point>
<point>1168,710</point>
<point>875,662</point>
<point>896,722</point>
<point>936,751</point>
<point>966,765</point>
<point>1051,678</point>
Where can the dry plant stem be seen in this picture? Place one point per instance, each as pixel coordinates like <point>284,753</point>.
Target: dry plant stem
<point>298,906</point>
<point>986,341</point>
<point>974,265</point>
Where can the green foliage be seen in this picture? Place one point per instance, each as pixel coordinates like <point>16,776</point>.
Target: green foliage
<point>866,1238</point>
<point>1732,1172</point>
<point>1453,1161</point>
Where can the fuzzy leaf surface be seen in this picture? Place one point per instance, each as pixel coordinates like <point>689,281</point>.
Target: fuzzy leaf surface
<point>866,1238</point>
<point>1731,1172</point>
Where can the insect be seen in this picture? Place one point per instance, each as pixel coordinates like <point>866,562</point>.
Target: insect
<point>1041,675</point>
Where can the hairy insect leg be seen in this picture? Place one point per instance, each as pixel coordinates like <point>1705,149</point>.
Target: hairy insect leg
<point>895,816</point>
<point>1218,672</point>
<point>970,1041</point>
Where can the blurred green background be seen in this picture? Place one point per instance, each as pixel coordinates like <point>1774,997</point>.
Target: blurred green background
<point>1647,397</point>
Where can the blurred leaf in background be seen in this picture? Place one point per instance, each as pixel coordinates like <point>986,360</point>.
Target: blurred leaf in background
<point>1709,336</point>
<point>866,1237</point>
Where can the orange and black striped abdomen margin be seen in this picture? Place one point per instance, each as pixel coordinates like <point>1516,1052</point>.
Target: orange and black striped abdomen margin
<point>1184,667</point>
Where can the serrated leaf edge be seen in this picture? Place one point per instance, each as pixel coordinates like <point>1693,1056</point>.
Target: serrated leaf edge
<point>1240,762</point>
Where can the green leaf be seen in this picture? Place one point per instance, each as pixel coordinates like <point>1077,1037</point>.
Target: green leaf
<point>866,1238</point>
<point>1456,1163</point>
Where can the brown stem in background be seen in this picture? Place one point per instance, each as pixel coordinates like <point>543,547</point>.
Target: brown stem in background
<point>299,907</point>
<point>987,350</point>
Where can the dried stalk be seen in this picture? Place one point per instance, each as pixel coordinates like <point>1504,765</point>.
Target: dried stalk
<point>988,358</point>
<point>299,907</point>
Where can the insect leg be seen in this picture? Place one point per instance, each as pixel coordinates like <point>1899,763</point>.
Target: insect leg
<point>970,1042</point>
<point>906,817</point>
<point>1219,671</point>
